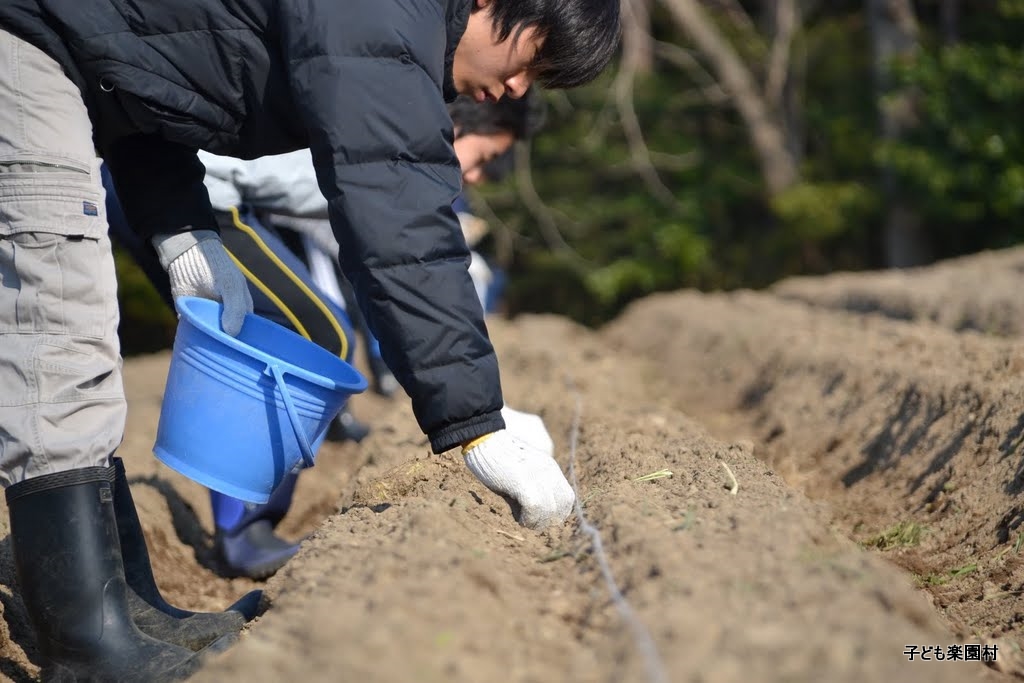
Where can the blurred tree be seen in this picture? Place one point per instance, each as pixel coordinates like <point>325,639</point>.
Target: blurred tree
<point>894,38</point>
<point>962,165</point>
<point>735,142</point>
<point>694,174</point>
<point>637,41</point>
<point>949,22</point>
<point>146,324</point>
<point>760,107</point>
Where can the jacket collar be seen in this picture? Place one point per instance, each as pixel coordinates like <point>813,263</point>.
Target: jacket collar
<point>458,17</point>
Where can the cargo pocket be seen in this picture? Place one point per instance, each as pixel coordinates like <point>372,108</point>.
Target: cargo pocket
<point>56,268</point>
<point>60,200</point>
<point>78,370</point>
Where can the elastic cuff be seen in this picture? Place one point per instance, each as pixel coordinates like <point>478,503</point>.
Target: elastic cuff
<point>457,434</point>
<point>171,246</point>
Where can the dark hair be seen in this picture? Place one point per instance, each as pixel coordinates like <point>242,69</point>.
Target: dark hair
<point>522,117</point>
<point>500,166</point>
<point>580,36</point>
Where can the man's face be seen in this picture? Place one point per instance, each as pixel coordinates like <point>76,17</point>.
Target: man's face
<point>475,150</point>
<point>486,69</point>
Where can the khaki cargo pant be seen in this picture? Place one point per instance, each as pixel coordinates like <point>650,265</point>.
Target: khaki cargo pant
<point>62,402</point>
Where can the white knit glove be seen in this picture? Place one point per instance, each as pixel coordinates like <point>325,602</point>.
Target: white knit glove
<point>530,428</point>
<point>198,265</point>
<point>512,468</point>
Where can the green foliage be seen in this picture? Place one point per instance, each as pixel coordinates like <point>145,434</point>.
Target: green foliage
<point>623,242</point>
<point>904,534</point>
<point>963,164</point>
<point>820,211</point>
<point>716,228</point>
<point>147,323</point>
<point>959,165</point>
<point>617,220</point>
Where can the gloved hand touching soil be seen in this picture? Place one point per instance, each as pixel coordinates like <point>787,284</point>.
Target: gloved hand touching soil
<point>514,467</point>
<point>530,428</point>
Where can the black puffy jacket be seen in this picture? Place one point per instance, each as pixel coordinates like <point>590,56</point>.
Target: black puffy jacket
<point>363,83</point>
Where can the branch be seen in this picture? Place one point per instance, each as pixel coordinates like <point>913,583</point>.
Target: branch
<point>739,17</point>
<point>560,102</point>
<point>778,59</point>
<point>623,88</point>
<point>536,206</point>
<point>637,41</point>
<point>778,167</point>
<point>602,124</point>
<point>675,162</point>
<point>684,59</point>
<point>504,235</point>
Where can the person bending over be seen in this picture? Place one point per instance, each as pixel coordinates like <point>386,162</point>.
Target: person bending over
<point>363,84</point>
<point>302,287</point>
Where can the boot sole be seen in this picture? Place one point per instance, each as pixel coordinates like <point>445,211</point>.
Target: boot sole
<point>258,572</point>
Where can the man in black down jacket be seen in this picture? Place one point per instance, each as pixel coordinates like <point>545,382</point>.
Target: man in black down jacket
<point>146,83</point>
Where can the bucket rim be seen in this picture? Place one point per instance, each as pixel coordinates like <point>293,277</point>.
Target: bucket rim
<point>185,306</point>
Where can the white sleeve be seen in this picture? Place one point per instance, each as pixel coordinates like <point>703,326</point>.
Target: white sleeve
<point>223,174</point>
<point>317,229</point>
<point>284,184</point>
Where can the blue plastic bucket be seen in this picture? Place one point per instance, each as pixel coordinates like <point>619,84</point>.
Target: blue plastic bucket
<point>241,412</point>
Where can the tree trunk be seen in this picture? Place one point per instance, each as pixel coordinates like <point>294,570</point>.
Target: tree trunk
<point>894,36</point>
<point>637,43</point>
<point>786,71</point>
<point>764,125</point>
<point>949,19</point>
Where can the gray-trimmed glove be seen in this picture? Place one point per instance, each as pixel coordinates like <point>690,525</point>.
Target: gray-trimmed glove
<point>198,265</point>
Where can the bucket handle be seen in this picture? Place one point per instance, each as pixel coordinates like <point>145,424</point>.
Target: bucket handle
<point>293,415</point>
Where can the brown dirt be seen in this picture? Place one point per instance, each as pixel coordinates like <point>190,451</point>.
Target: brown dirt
<point>979,292</point>
<point>837,426</point>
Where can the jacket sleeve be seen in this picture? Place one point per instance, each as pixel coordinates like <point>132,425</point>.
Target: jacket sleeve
<point>160,185</point>
<point>284,184</point>
<point>368,88</point>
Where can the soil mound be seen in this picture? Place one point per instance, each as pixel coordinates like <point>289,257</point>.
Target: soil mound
<point>978,292</point>
<point>783,491</point>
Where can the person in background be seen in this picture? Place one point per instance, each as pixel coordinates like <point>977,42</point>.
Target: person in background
<point>283,191</point>
<point>475,229</point>
<point>307,295</point>
<point>283,291</point>
<point>146,84</point>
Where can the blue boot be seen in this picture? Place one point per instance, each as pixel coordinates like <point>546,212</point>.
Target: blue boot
<point>347,427</point>
<point>384,382</point>
<point>245,538</point>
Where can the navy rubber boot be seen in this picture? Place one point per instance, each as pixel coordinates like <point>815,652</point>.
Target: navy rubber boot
<point>384,382</point>
<point>245,538</point>
<point>347,427</point>
<point>68,560</point>
<point>254,550</point>
<point>152,614</point>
